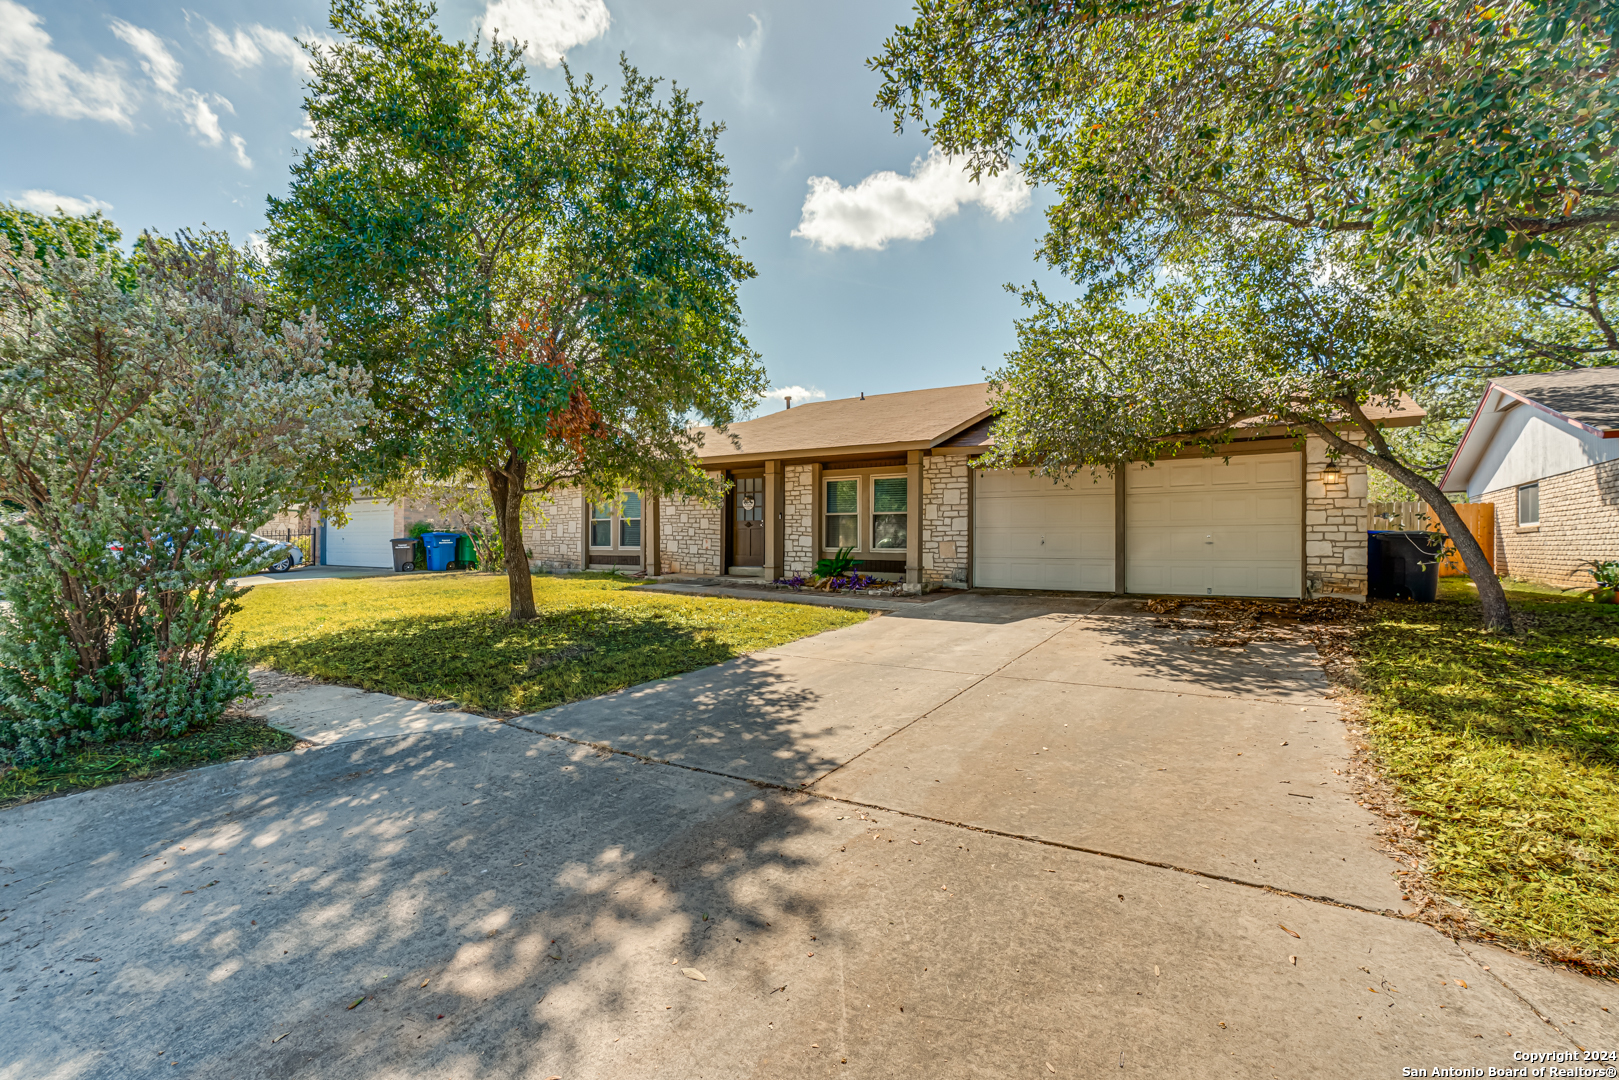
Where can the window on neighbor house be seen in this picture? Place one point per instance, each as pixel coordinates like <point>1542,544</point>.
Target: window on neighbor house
<point>1529,504</point>
<point>888,512</point>
<point>842,513</point>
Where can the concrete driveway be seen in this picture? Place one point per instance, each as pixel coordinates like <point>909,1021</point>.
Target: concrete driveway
<point>987,837</point>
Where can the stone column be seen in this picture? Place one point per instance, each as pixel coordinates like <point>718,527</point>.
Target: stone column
<point>913,521</point>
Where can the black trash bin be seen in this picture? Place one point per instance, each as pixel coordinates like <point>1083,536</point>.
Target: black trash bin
<point>404,552</point>
<point>1403,566</point>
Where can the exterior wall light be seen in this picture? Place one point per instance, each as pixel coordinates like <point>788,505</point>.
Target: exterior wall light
<point>1332,474</point>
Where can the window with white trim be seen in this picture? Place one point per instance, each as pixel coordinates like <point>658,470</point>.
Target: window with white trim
<point>620,520</point>
<point>843,513</point>
<point>889,517</point>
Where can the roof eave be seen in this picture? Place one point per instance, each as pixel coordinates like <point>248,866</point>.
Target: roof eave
<point>812,453</point>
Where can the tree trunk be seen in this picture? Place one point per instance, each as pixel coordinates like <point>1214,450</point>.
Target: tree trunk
<point>506,494</point>
<point>1497,614</point>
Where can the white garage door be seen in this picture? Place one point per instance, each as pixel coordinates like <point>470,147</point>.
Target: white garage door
<point>1205,528</point>
<point>1032,534</point>
<point>364,540</point>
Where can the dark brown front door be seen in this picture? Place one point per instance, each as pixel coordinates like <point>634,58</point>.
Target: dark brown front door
<point>749,533</point>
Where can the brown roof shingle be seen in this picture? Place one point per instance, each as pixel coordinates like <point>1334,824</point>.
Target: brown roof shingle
<point>913,420</point>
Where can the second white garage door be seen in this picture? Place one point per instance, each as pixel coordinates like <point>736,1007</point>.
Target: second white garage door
<point>1032,534</point>
<point>364,541</point>
<point>1205,528</point>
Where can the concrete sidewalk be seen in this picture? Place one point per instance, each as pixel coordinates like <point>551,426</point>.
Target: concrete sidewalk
<point>326,715</point>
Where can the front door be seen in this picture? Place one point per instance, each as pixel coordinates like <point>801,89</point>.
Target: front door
<point>749,532</point>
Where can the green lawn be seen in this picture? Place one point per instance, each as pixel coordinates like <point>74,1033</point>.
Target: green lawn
<point>112,763</point>
<point>1507,748</point>
<point>446,636</point>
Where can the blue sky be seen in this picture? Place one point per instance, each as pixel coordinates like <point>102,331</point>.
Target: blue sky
<point>170,116</point>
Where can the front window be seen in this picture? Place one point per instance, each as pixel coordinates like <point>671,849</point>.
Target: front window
<point>601,525</point>
<point>842,513</point>
<point>888,512</point>
<point>629,521</point>
<point>1529,504</point>
<point>621,519</point>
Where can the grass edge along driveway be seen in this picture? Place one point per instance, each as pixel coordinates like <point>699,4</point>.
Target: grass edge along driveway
<point>446,637</point>
<point>1506,749</point>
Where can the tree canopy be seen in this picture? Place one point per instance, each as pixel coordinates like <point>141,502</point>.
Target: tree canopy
<point>544,286</point>
<point>1446,133</point>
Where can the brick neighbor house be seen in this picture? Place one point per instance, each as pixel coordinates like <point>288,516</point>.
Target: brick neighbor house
<point>892,476</point>
<point>1544,449</point>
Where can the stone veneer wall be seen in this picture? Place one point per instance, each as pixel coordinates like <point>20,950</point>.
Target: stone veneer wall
<point>1579,521</point>
<point>552,532</point>
<point>690,535</point>
<point>946,540</point>
<point>1334,524</point>
<point>798,519</point>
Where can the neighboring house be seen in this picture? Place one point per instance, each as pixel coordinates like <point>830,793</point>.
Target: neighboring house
<point>1545,450</point>
<point>891,476</point>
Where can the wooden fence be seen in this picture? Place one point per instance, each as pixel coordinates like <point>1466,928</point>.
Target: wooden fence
<point>1414,516</point>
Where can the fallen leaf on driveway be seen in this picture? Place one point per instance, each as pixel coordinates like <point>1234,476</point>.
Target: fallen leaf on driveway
<point>355,1002</point>
<point>424,983</point>
<point>917,842</point>
<point>279,1037</point>
<point>693,973</point>
<point>1461,984</point>
<point>1289,931</point>
<point>1050,1066</point>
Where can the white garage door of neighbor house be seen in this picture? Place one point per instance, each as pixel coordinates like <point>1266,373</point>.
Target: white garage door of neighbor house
<point>364,540</point>
<point>1030,533</point>
<point>1206,528</point>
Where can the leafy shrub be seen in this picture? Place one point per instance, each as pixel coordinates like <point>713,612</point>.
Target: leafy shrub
<point>148,423</point>
<point>836,565</point>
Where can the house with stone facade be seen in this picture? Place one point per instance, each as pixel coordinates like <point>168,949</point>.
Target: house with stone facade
<point>893,478</point>
<point>1544,451</point>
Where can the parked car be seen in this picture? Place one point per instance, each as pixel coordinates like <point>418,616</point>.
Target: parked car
<point>290,554</point>
<point>286,555</point>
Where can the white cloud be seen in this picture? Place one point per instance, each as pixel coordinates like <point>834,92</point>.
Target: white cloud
<point>156,60</point>
<point>548,27</point>
<point>887,206</point>
<point>250,46</point>
<point>193,106</point>
<point>49,82</point>
<point>48,202</point>
<point>797,393</point>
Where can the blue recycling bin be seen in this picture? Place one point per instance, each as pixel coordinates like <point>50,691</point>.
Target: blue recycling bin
<point>440,549</point>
